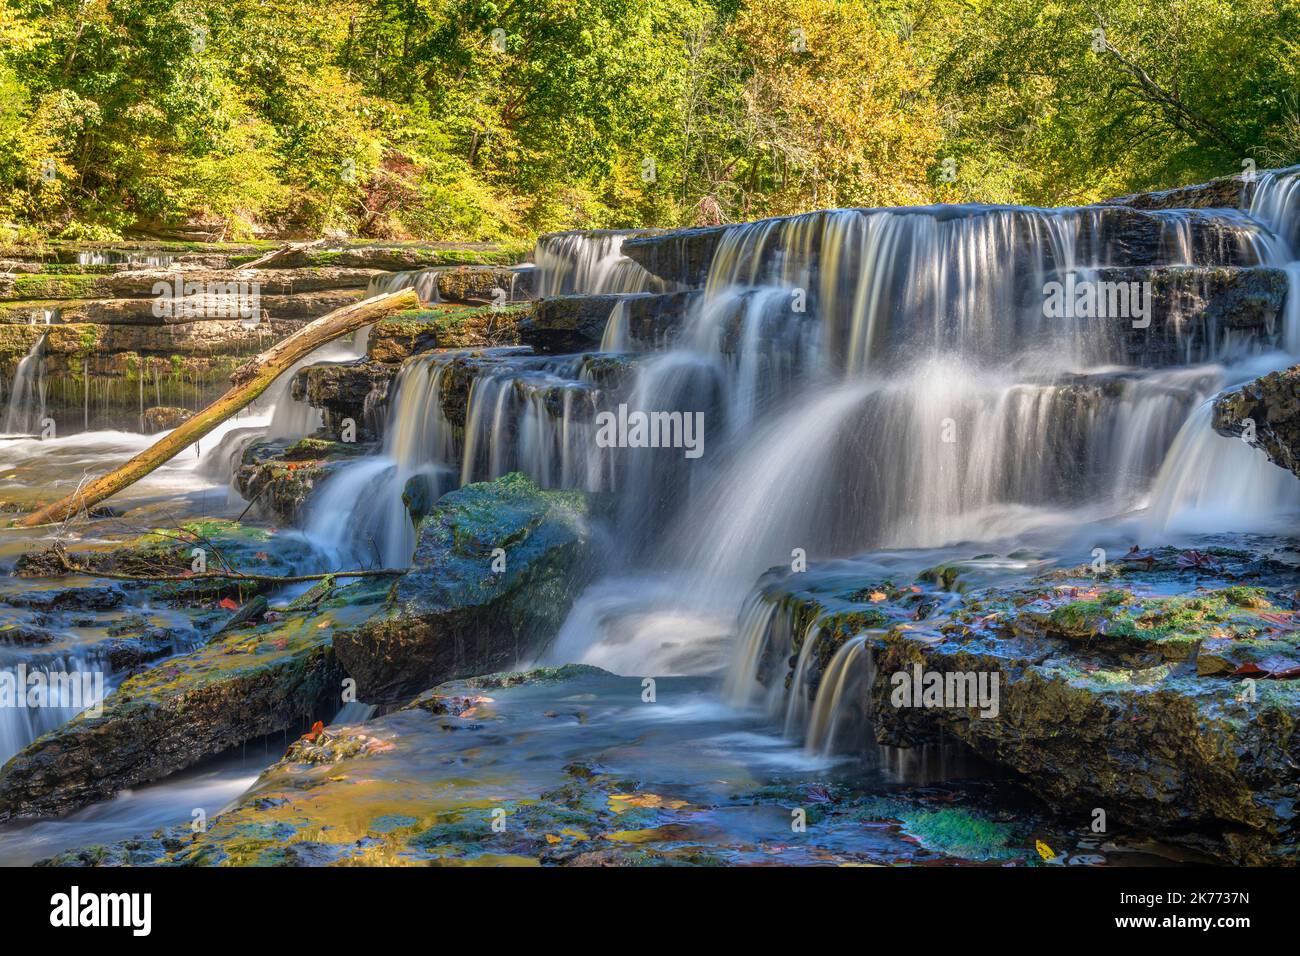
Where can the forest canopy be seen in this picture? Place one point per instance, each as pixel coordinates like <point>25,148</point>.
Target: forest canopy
<point>474,120</point>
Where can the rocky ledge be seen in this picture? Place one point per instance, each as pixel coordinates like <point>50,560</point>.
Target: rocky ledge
<point>1164,690</point>
<point>496,567</point>
<point>1265,412</point>
<point>260,671</point>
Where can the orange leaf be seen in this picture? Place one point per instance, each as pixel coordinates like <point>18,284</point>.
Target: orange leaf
<point>229,605</point>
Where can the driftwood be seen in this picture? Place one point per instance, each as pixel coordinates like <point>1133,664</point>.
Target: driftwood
<point>284,252</point>
<point>249,381</point>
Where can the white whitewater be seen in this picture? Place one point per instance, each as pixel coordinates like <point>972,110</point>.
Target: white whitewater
<point>590,263</point>
<point>26,407</point>
<point>869,379</point>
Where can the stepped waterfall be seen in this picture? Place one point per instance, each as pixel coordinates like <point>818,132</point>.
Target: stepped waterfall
<point>869,379</point>
<point>770,477</point>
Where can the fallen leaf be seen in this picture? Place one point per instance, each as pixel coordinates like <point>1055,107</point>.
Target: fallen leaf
<point>229,604</point>
<point>1045,851</point>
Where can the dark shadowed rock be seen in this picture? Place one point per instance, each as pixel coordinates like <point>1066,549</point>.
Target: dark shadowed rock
<point>565,324</point>
<point>1270,407</point>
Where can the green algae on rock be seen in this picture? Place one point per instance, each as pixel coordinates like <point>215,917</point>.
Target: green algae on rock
<point>496,567</point>
<point>276,675</point>
<point>1163,690</point>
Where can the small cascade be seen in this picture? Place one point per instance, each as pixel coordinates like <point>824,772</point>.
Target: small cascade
<point>615,337</point>
<point>423,281</point>
<point>591,263</point>
<point>354,712</point>
<point>135,260</point>
<point>537,416</point>
<point>69,679</point>
<point>840,714</point>
<point>362,512</point>
<point>824,701</point>
<point>26,408</point>
<point>1276,203</point>
<point>1210,482</point>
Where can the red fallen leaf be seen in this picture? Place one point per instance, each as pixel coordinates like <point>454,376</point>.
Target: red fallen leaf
<point>317,729</point>
<point>1278,666</point>
<point>819,794</point>
<point>280,643</point>
<point>1136,555</point>
<point>1199,560</point>
<point>229,604</point>
<point>1248,669</point>
<point>262,556</point>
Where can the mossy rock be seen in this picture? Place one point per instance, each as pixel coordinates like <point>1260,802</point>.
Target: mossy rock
<point>496,567</point>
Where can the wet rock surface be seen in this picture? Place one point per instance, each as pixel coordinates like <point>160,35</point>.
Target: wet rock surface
<point>1164,689</point>
<point>1265,412</point>
<point>495,569</point>
<point>278,477</point>
<point>274,674</point>
<point>569,767</point>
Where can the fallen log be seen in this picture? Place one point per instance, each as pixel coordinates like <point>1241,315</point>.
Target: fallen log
<point>284,252</point>
<point>249,381</point>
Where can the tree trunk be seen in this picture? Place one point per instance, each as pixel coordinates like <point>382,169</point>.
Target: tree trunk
<point>250,380</point>
<point>288,249</point>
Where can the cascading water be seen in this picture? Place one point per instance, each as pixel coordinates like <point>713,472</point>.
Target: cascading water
<point>26,406</point>
<point>868,379</point>
<point>135,260</point>
<point>417,448</point>
<point>590,263</point>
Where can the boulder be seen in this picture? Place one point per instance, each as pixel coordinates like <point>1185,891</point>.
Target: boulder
<point>278,477</point>
<point>484,285</point>
<point>346,390</point>
<point>444,327</point>
<point>162,418</point>
<point>1163,689</point>
<point>496,567</point>
<point>1268,407</point>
